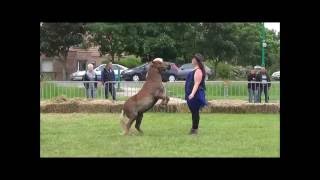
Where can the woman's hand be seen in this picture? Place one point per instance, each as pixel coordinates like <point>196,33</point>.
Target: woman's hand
<point>191,96</point>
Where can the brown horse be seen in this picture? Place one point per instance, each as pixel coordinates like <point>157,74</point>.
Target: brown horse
<point>151,91</point>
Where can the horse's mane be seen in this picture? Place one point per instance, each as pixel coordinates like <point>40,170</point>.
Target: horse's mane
<point>153,74</point>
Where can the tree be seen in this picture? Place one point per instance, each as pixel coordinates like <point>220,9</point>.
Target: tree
<point>272,51</point>
<point>157,40</point>
<point>247,41</point>
<point>161,46</point>
<point>57,38</point>
<point>133,38</point>
<point>148,40</point>
<point>186,36</point>
<point>217,43</point>
<point>108,37</point>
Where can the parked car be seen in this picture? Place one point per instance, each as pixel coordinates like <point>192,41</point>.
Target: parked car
<point>257,68</point>
<point>276,75</point>
<point>186,68</point>
<point>139,73</point>
<point>171,74</point>
<point>77,76</point>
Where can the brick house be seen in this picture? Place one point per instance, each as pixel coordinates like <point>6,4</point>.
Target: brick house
<point>77,59</point>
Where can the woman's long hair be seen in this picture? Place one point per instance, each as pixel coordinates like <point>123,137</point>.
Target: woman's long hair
<point>200,60</point>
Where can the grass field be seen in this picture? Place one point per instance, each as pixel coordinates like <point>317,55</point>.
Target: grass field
<point>165,135</point>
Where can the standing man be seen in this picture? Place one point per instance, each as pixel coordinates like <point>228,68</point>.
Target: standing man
<point>252,87</point>
<point>94,64</point>
<point>91,87</point>
<point>108,75</point>
<point>265,84</point>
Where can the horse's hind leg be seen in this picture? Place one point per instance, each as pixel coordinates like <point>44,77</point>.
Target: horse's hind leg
<point>123,121</point>
<point>128,126</point>
<point>126,120</point>
<point>138,122</point>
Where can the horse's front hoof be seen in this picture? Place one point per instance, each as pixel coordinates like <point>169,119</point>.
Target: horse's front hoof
<point>162,105</point>
<point>124,133</point>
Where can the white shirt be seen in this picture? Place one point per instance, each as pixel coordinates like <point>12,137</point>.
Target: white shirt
<point>264,79</point>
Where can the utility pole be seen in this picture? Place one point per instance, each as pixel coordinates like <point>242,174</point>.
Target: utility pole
<point>263,44</point>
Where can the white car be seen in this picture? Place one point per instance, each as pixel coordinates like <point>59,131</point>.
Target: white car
<point>276,75</point>
<point>77,76</point>
<point>257,68</point>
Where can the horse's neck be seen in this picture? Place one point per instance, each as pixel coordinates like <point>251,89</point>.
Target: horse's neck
<point>154,75</point>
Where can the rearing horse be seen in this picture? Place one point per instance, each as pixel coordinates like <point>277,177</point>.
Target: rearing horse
<point>151,91</point>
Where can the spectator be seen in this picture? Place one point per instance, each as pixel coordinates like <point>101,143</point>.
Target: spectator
<point>108,75</point>
<point>265,84</point>
<point>94,64</point>
<point>91,87</point>
<point>252,87</point>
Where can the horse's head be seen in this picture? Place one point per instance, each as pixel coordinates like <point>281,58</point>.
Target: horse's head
<point>159,64</point>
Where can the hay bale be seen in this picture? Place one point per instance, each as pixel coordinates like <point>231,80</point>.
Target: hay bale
<point>67,107</point>
<point>62,105</point>
<point>184,108</point>
<point>157,108</point>
<point>168,108</point>
<point>93,108</point>
<point>206,109</point>
<point>172,108</point>
<point>238,106</point>
<point>262,108</point>
<point>99,105</point>
<point>60,99</point>
<point>116,108</point>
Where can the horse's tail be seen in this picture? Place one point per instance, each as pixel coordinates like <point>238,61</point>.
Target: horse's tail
<point>122,115</point>
<point>123,119</point>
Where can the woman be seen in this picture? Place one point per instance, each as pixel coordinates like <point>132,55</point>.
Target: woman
<point>252,87</point>
<point>195,90</point>
<point>91,88</point>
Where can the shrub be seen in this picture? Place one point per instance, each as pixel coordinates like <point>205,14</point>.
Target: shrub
<point>105,62</point>
<point>239,72</point>
<point>130,61</point>
<point>223,71</point>
<point>47,76</point>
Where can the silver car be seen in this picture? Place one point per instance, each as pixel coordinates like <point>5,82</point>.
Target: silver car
<point>276,75</point>
<point>186,68</point>
<point>77,76</point>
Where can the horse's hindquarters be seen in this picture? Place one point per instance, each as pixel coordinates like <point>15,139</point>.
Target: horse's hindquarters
<point>146,103</point>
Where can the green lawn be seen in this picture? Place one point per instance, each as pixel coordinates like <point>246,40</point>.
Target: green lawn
<point>165,135</point>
